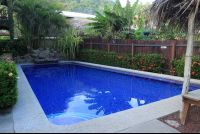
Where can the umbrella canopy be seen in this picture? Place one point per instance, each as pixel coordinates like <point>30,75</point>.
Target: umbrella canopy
<point>182,14</point>
<point>176,12</point>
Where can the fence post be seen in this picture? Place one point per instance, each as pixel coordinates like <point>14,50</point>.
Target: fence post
<point>173,50</point>
<point>132,52</point>
<point>91,45</point>
<point>109,47</point>
<point>132,49</point>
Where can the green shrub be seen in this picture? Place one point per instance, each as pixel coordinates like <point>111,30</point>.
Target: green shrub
<point>148,62</point>
<point>8,82</point>
<point>17,47</point>
<point>178,65</point>
<point>3,44</point>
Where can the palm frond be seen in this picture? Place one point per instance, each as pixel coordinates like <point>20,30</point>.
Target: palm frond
<point>174,11</point>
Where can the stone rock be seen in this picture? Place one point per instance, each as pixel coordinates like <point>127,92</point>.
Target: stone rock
<point>15,58</point>
<point>35,55</point>
<point>46,52</point>
<point>36,51</point>
<point>52,50</point>
<point>172,123</point>
<point>42,55</point>
<point>27,56</point>
<point>41,49</point>
<point>18,57</point>
<point>51,55</point>
<point>57,55</point>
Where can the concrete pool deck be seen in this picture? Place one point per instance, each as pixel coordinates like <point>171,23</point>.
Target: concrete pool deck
<point>28,116</point>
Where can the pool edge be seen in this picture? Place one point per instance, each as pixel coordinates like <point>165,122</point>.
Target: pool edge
<point>24,112</point>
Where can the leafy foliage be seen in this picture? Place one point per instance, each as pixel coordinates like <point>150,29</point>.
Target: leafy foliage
<point>140,12</point>
<point>8,82</point>
<point>112,22</point>
<point>143,62</point>
<point>17,47</point>
<point>109,24</point>
<point>2,46</point>
<point>84,6</point>
<point>164,33</point>
<point>149,62</point>
<point>69,43</point>
<point>178,67</point>
<point>39,18</point>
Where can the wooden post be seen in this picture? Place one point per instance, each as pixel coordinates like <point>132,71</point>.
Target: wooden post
<point>188,57</point>
<point>91,45</point>
<point>173,50</point>
<point>132,52</point>
<point>109,47</point>
<point>132,49</point>
<point>185,113</point>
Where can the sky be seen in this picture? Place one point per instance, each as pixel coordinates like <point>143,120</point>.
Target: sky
<point>123,2</point>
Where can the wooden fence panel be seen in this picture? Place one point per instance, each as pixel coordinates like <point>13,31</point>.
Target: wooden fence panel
<point>148,47</point>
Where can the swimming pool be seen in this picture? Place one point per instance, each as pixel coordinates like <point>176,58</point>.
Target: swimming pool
<point>72,93</point>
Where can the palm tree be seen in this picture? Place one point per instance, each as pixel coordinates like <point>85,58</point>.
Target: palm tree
<point>109,23</point>
<point>128,11</point>
<point>184,14</point>
<point>38,18</point>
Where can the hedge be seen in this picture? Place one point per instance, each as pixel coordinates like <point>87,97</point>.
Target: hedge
<point>8,82</point>
<point>2,46</point>
<point>178,65</point>
<point>144,62</point>
<point>16,47</point>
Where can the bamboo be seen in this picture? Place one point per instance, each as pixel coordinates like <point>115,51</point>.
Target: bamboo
<point>188,58</point>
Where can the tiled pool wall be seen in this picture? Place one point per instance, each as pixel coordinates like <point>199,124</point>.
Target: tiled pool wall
<point>122,89</point>
<point>31,119</point>
<point>97,66</point>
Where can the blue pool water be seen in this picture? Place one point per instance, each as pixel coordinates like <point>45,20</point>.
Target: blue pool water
<point>70,93</point>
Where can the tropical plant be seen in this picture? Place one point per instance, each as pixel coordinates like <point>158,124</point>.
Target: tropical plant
<point>17,47</point>
<point>178,67</point>
<point>127,12</point>
<point>144,62</point>
<point>109,24</point>
<point>140,12</point>
<point>114,21</point>
<point>38,18</point>
<point>8,82</point>
<point>69,43</point>
<point>84,6</point>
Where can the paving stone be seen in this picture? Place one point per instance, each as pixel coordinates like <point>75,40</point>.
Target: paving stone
<point>173,123</point>
<point>6,121</point>
<point>153,126</point>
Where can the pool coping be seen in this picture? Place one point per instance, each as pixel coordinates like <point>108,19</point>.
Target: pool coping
<point>28,115</point>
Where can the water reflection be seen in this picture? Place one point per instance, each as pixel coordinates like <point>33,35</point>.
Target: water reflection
<point>69,94</point>
<point>107,102</point>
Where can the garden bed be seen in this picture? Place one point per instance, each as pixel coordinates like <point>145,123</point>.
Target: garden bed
<point>192,124</point>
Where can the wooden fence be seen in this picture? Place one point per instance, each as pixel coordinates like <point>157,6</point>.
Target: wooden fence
<point>170,49</point>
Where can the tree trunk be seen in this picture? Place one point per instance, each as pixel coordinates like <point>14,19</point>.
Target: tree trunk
<point>188,57</point>
<point>10,18</point>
